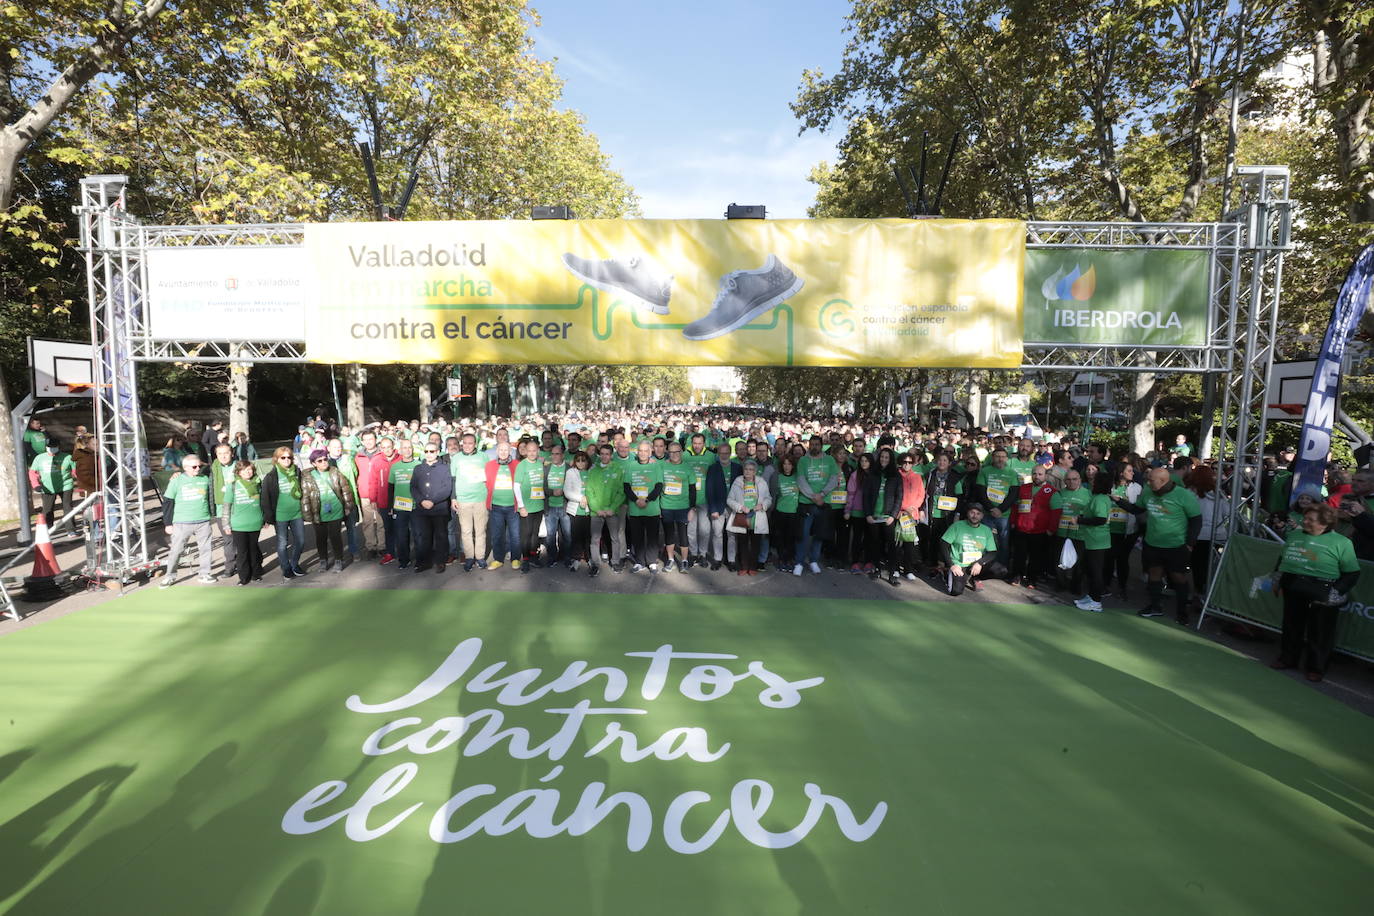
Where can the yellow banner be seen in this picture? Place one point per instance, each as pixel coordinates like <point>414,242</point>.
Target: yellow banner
<point>669,292</point>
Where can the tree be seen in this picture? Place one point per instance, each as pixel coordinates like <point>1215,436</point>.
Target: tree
<point>77,40</point>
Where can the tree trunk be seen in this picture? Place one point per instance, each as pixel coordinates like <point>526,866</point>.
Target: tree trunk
<point>353,409</point>
<point>1143,400</point>
<point>238,400</point>
<point>9,486</point>
<point>479,396</point>
<point>426,396</point>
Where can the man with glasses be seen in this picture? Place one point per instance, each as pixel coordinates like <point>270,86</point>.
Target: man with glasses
<point>431,484</point>
<point>557,524</point>
<point>469,469</point>
<point>187,507</point>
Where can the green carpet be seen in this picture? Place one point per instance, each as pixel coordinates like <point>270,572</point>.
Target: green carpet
<point>962,759</point>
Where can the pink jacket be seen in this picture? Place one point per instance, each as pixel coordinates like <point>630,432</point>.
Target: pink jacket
<point>854,500</point>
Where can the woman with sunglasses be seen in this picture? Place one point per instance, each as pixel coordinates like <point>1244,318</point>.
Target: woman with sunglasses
<point>575,492</point>
<point>281,496</point>
<point>327,500</point>
<point>909,515</point>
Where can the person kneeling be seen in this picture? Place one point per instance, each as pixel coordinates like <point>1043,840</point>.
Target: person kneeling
<point>969,551</point>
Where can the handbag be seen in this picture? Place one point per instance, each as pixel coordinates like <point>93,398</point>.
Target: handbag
<point>739,523</point>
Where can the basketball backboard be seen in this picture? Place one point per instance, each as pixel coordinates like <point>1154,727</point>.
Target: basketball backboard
<point>1289,385</point>
<point>56,365</point>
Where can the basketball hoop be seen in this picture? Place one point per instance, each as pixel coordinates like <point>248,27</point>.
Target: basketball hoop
<point>77,389</point>
<point>1293,410</point>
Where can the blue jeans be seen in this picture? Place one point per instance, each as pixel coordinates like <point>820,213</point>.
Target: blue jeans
<point>292,559</point>
<point>557,533</point>
<point>400,536</point>
<point>351,531</point>
<point>810,551</point>
<point>454,542</point>
<point>503,533</point>
<point>999,528</point>
<point>763,550</point>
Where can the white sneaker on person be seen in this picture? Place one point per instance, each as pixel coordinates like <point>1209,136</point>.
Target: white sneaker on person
<point>797,570</point>
<point>627,275</point>
<point>168,580</point>
<point>815,567</point>
<point>207,579</point>
<point>745,295</point>
<point>653,567</point>
<point>911,577</point>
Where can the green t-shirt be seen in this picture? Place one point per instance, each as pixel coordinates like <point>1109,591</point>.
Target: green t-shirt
<point>349,470</point>
<point>1072,503</point>
<point>469,477</point>
<point>817,471</point>
<point>554,476</point>
<point>399,478</point>
<point>1097,537</point>
<point>678,479</point>
<point>1118,516</point>
<point>288,506</point>
<point>1022,469</point>
<point>642,479</point>
<point>1185,450</point>
<point>36,440</point>
<point>1323,556</point>
<point>503,488</point>
<point>999,483</point>
<point>529,478</point>
<point>967,543</point>
<point>1278,497</point>
<point>788,494</point>
<point>331,503</point>
<point>699,464</point>
<point>245,511</point>
<point>1168,516</point>
<point>192,496</point>
<point>54,472</point>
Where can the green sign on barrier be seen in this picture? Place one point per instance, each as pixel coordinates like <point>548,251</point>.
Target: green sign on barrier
<point>1135,297</point>
<point>1240,591</point>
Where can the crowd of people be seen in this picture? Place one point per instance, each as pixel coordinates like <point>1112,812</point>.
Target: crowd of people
<point>648,491</point>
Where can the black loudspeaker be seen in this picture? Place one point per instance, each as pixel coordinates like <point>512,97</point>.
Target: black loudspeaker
<point>746,211</point>
<point>551,213</point>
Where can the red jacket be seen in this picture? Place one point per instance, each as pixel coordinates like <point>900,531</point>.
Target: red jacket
<point>374,477</point>
<point>1040,519</point>
<point>492,467</point>
<point>913,493</point>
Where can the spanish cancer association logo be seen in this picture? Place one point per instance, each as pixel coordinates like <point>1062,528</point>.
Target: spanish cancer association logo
<point>231,283</point>
<point>1076,284</point>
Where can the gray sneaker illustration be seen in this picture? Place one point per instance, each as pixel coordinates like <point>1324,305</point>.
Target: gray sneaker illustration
<point>745,295</point>
<point>628,275</point>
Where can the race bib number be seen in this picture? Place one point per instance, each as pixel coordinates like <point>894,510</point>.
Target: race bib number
<point>404,504</point>
<point>908,524</point>
<point>1024,506</point>
<point>672,488</point>
<point>1069,522</point>
<point>536,491</point>
<point>640,492</point>
<point>997,491</point>
<point>476,474</point>
<point>1025,478</point>
<point>503,482</point>
<point>1118,515</point>
<point>837,497</point>
<point>947,503</point>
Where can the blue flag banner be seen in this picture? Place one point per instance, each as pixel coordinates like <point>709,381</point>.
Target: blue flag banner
<point>1309,468</point>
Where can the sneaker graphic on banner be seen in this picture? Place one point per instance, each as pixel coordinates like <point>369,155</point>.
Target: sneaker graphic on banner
<point>745,295</point>
<point>627,275</point>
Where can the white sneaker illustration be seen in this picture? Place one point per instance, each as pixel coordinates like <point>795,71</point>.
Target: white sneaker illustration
<point>628,275</point>
<point>745,295</point>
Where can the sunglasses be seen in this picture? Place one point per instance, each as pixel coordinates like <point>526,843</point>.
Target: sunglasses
<point>318,460</point>
<point>192,467</point>
<point>431,451</point>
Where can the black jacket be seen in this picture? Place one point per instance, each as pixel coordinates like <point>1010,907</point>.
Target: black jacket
<point>892,495</point>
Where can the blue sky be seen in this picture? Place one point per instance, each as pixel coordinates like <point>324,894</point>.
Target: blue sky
<point>690,99</point>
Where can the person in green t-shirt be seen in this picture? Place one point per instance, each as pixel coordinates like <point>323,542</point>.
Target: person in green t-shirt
<point>469,468</point>
<point>819,480</point>
<point>529,501</point>
<point>281,508</point>
<point>402,502</point>
<point>699,458</point>
<point>327,500</point>
<point>679,496</point>
<point>786,529</point>
<point>557,524</point>
<point>52,474</point>
<point>1173,520</point>
<point>242,498</point>
<point>1095,537</point>
<point>604,486</point>
<point>969,550</point>
<point>996,487</point>
<point>186,507</point>
<point>1316,573</point>
<point>342,460</point>
<point>643,492</point>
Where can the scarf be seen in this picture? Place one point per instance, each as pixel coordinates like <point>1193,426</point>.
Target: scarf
<point>294,477</point>
<point>250,486</point>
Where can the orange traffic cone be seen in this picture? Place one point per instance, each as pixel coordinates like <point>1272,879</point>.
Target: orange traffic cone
<point>42,585</point>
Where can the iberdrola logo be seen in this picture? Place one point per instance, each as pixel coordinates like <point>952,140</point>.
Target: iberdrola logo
<point>1076,284</point>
